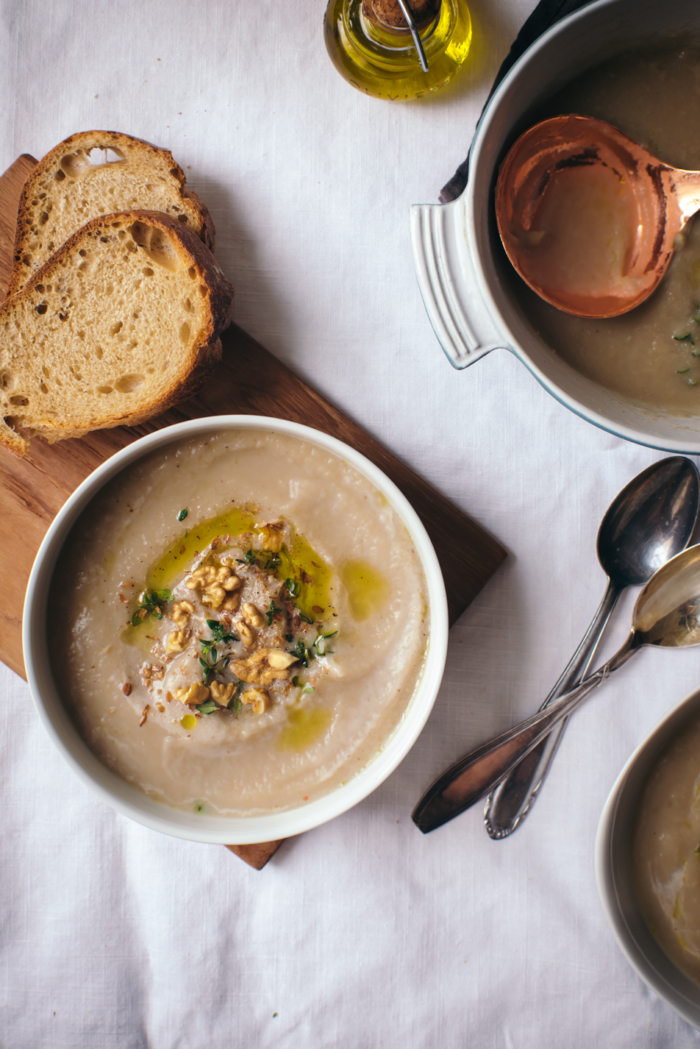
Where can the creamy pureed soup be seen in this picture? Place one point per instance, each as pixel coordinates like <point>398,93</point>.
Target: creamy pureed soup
<point>666,851</point>
<point>238,623</point>
<point>650,355</point>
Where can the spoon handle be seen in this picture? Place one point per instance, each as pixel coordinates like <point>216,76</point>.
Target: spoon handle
<point>479,771</point>
<point>508,805</point>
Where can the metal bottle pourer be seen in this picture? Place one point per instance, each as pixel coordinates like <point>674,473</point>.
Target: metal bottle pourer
<point>406,11</point>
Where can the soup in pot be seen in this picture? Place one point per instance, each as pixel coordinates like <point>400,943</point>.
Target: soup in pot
<point>650,355</point>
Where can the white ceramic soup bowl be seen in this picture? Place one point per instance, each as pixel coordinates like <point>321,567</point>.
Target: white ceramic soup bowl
<point>462,270</point>
<point>201,827</point>
<point>614,868</point>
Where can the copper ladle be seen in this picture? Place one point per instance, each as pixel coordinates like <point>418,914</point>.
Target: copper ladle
<point>589,218</point>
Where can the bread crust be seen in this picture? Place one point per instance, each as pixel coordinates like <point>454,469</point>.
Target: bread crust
<point>205,354</point>
<point>128,145</point>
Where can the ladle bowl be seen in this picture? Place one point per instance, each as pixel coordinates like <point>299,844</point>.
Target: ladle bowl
<point>588,217</point>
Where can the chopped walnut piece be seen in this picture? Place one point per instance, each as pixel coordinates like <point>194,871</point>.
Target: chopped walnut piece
<point>228,579</point>
<point>279,659</point>
<point>258,668</point>
<point>151,672</point>
<point>231,603</point>
<point>252,616</point>
<point>216,584</point>
<point>246,633</point>
<point>177,639</point>
<point>213,596</point>
<point>222,694</point>
<point>202,577</point>
<point>272,535</point>
<point>192,694</point>
<point>181,612</point>
<point>258,698</point>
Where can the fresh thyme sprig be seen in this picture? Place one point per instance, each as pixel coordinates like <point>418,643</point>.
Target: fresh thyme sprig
<point>210,661</point>
<point>150,602</point>
<point>293,587</point>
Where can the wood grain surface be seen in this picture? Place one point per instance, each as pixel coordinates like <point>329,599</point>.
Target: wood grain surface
<point>249,381</point>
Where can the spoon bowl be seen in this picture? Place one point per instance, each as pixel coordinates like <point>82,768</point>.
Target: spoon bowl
<point>666,615</point>
<point>649,521</point>
<point>588,217</point>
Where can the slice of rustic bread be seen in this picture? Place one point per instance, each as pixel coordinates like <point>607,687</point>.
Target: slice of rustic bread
<point>97,173</point>
<point>122,322</point>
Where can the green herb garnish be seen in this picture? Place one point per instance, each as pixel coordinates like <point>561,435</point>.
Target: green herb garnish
<point>289,638</point>
<point>696,315</point>
<point>273,561</point>
<point>305,618</point>
<point>302,653</point>
<point>682,371</point>
<point>685,338</point>
<point>250,557</point>
<point>150,605</point>
<point>692,382</point>
<point>208,707</point>
<point>217,629</point>
<point>293,587</point>
<point>212,663</point>
<point>321,643</point>
<point>234,702</point>
<point>183,514</point>
<point>270,613</point>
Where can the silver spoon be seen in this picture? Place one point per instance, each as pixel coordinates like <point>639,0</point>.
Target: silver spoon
<point>667,614</point>
<point>649,522</point>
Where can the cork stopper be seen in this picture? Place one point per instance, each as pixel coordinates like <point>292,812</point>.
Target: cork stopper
<point>387,13</point>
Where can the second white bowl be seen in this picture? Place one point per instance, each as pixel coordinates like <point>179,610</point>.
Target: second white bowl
<point>614,869</point>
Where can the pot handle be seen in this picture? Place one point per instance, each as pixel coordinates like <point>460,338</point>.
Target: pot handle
<point>447,280</point>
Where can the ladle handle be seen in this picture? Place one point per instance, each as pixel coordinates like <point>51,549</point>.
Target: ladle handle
<point>479,771</point>
<point>515,795</point>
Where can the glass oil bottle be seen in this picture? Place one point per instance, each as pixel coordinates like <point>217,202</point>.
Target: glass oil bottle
<point>376,53</point>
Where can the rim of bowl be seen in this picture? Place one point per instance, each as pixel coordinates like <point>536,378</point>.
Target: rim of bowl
<point>590,415</point>
<point>614,889</point>
<point>240,830</point>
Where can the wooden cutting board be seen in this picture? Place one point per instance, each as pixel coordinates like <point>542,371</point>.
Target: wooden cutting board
<point>248,381</point>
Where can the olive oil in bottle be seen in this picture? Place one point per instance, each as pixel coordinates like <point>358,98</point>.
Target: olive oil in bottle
<point>372,47</point>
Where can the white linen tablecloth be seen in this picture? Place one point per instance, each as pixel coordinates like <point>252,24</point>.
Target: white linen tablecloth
<point>362,933</point>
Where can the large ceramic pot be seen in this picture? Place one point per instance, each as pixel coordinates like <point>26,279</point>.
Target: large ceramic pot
<point>461,267</point>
